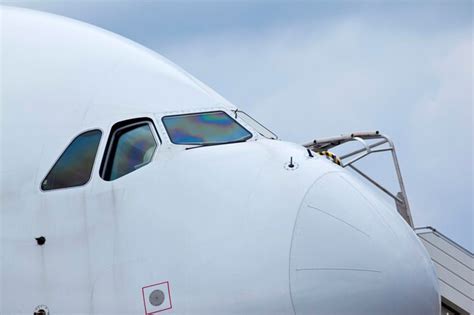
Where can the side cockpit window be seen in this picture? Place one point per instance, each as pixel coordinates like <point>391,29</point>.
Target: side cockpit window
<point>130,147</point>
<point>204,128</point>
<point>74,166</point>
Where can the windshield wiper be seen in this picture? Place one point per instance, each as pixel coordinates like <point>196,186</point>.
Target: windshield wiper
<point>217,143</point>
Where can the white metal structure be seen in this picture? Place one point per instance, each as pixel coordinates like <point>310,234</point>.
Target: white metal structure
<point>455,269</point>
<point>369,146</point>
<point>252,227</point>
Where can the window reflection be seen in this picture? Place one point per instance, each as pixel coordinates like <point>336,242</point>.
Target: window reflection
<point>204,128</point>
<point>74,166</point>
<point>133,148</point>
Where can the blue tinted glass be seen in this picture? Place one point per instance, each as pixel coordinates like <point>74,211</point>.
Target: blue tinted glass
<point>204,128</point>
<point>74,167</point>
<point>134,148</point>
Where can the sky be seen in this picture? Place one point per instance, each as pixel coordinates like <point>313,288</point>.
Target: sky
<point>309,69</point>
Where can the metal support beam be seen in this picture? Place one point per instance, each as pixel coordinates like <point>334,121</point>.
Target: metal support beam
<point>400,198</point>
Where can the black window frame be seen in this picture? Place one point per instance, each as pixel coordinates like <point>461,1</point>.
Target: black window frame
<point>206,112</point>
<point>42,188</point>
<point>115,131</point>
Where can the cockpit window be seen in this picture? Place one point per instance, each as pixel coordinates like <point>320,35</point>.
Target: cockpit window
<point>74,166</point>
<point>204,128</point>
<point>131,147</point>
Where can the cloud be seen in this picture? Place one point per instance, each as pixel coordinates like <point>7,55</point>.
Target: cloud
<point>444,118</point>
<point>305,81</point>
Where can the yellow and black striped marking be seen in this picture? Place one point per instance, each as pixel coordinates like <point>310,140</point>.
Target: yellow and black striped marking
<point>331,156</point>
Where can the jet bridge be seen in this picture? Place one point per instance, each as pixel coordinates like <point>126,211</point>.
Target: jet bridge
<point>370,143</point>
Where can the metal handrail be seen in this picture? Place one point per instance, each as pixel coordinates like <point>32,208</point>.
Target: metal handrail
<point>324,144</point>
<point>419,230</point>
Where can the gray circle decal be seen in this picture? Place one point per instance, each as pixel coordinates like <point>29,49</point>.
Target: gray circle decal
<point>157,298</point>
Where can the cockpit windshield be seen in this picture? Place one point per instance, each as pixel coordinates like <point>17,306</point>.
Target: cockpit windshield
<point>204,128</point>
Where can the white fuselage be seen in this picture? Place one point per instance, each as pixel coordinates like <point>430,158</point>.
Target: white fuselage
<point>228,229</point>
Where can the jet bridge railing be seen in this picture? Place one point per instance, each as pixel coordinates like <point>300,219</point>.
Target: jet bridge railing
<point>370,143</point>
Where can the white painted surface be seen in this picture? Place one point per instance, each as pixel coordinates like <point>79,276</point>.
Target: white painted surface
<point>217,223</point>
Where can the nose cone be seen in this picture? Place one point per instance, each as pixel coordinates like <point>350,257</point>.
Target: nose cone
<point>353,254</point>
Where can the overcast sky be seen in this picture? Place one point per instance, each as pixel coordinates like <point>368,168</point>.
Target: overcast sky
<point>315,69</point>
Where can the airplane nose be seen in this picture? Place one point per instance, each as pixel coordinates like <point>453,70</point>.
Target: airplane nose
<point>352,254</point>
